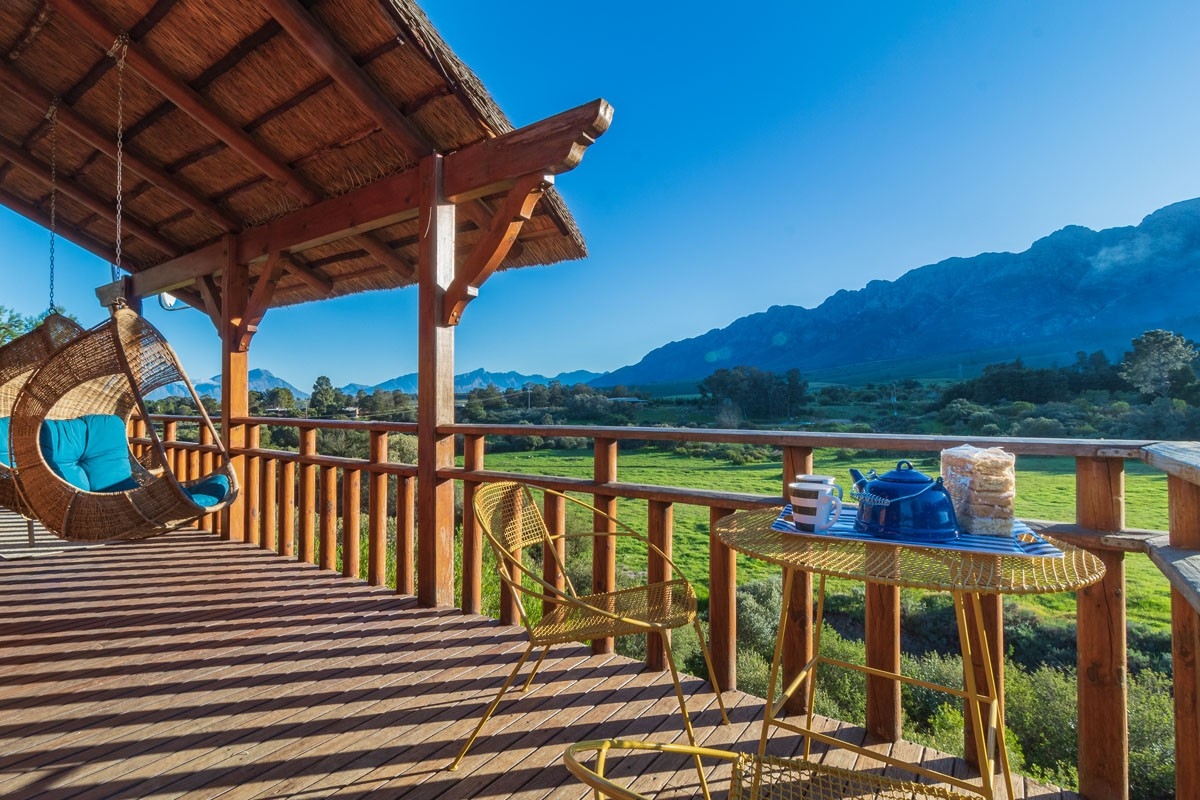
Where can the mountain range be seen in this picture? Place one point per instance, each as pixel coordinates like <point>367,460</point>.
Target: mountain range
<point>261,380</point>
<point>1074,290</point>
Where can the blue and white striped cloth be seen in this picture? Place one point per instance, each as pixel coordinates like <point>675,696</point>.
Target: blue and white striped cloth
<point>1023,542</point>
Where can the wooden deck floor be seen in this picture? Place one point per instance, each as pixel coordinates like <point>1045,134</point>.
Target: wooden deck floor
<point>187,667</point>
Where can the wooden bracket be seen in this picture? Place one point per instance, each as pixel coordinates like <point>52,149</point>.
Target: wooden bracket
<point>498,238</point>
<point>210,293</point>
<point>260,298</point>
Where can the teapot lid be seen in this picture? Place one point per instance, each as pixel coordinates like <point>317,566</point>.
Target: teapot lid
<point>905,473</point>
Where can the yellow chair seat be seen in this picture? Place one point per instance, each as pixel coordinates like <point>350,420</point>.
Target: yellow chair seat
<point>662,605</point>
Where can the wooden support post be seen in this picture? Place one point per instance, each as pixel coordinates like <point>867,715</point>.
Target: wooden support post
<point>252,486</point>
<point>660,520</point>
<point>883,652</point>
<point>287,509</point>
<point>269,498</point>
<point>798,641</point>
<point>604,548</point>
<point>472,537</point>
<point>554,512</point>
<point>1103,690</point>
<point>406,507</point>
<point>351,522</point>
<point>435,393</point>
<point>722,604</point>
<point>308,497</point>
<point>377,513</point>
<point>235,381</point>
<point>1184,515</point>
<point>327,513</point>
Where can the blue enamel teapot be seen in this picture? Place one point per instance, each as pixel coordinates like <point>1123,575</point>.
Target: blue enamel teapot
<point>904,504</point>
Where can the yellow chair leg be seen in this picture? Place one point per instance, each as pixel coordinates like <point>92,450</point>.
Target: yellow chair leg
<point>536,667</point>
<point>687,722</point>
<point>712,675</point>
<point>491,708</point>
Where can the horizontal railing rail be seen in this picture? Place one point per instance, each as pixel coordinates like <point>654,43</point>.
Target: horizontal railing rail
<point>293,504</point>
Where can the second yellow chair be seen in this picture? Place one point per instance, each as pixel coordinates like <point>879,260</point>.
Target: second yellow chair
<point>511,522</point>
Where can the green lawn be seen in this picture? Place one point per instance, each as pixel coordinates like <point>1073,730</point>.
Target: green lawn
<point>1045,490</point>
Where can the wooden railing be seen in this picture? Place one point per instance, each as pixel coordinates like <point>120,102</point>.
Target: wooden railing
<point>291,505</point>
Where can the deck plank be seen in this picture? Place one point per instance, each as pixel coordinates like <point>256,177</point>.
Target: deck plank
<point>186,667</point>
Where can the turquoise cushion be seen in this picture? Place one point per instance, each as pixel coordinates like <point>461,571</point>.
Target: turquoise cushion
<point>4,442</point>
<point>210,491</point>
<point>89,452</point>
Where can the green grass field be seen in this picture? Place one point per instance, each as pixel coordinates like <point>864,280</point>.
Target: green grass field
<point>1045,490</point>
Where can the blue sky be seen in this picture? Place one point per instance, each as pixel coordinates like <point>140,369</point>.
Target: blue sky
<point>764,153</point>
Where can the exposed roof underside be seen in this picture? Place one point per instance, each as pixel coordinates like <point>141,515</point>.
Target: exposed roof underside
<point>237,113</point>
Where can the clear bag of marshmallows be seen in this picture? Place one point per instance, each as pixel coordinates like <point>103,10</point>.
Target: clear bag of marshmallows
<point>982,483</point>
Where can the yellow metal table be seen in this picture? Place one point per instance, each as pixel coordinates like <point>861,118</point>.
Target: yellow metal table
<point>965,575</point>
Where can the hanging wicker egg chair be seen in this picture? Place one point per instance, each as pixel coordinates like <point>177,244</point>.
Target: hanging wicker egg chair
<point>77,474</point>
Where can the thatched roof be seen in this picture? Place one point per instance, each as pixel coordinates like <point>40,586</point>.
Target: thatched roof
<point>231,119</point>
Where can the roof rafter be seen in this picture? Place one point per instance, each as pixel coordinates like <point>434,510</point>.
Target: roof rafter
<point>85,197</point>
<point>202,111</point>
<point>40,99</point>
<point>313,37</point>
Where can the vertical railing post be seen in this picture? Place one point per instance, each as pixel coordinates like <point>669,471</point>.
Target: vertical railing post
<point>1184,514</point>
<point>472,533</point>
<point>327,514</point>
<point>554,512</point>
<point>207,461</point>
<point>406,507</point>
<point>269,499</point>
<point>351,522</point>
<point>797,643</point>
<point>287,509</point>
<point>722,604</point>
<point>1103,691</point>
<point>308,497</point>
<point>193,472</point>
<point>377,512</point>
<point>253,488</point>
<point>659,523</point>
<point>604,548</point>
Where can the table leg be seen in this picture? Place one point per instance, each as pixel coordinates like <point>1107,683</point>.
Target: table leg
<point>773,678</point>
<point>989,733</point>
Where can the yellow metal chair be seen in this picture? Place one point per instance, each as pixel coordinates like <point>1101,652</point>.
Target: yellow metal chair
<point>752,777</point>
<point>512,522</point>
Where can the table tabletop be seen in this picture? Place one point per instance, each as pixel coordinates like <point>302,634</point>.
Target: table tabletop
<point>897,564</point>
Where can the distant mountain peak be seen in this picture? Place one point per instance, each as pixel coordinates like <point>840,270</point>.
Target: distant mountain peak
<point>1075,289</point>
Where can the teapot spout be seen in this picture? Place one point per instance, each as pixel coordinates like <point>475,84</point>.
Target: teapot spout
<point>860,480</point>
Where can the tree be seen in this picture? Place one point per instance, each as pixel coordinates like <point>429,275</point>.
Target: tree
<point>13,324</point>
<point>1156,355</point>
<point>325,400</point>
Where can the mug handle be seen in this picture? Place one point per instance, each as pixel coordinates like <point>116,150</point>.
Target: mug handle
<point>835,511</point>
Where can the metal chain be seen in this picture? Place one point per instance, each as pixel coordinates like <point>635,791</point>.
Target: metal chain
<point>117,51</point>
<point>52,116</point>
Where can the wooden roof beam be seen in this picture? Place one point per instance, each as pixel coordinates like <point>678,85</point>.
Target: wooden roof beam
<point>545,148</point>
<point>37,97</point>
<point>86,198</point>
<point>488,253</point>
<point>185,98</point>
<point>316,41</point>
